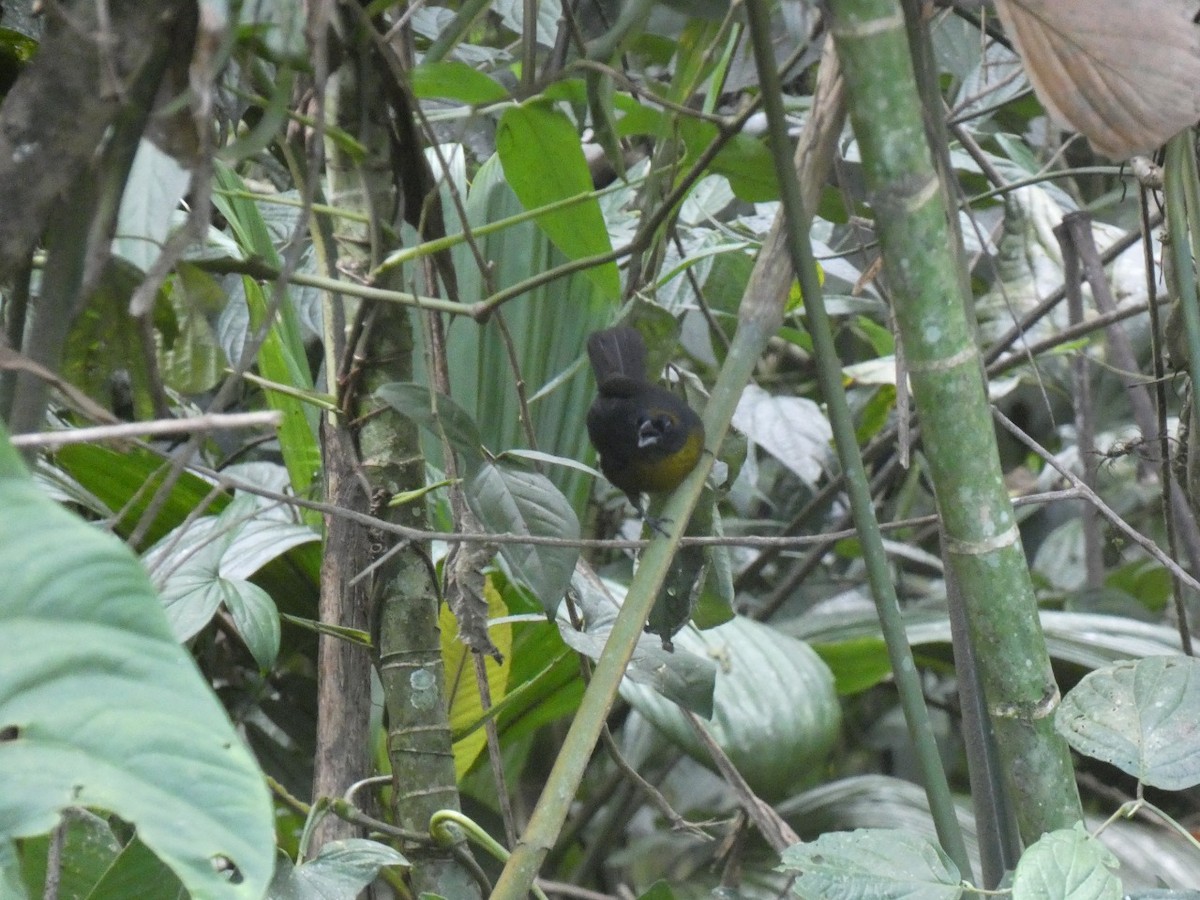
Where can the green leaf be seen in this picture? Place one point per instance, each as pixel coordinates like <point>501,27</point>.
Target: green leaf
<point>455,81</point>
<point>108,711</point>
<point>683,677</point>
<point>1068,864</point>
<point>544,683</point>
<point>255,617</point>
<point>242,214</point>
<point>207,564</point>
<point>543,162</point>
<point>137,872</point>
<point>857,664</point>
<point>1140,717</point>
<point>11,885</point>
<point>156,184</point>
<point>775,711</point>
<point>266,129</point>
<point>340,869</point>
<point>413,402</point>
<point>281,359</point>
<point>660,890</point>
<point>507,499</point>
<point>878,863</point>
<point>88,850</point>
<point>744,160</point>
<point>104,345</point>
<point>792,429</point>
<point>193,362</point>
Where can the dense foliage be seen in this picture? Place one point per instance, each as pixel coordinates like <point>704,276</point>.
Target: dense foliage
<point>335,594</point>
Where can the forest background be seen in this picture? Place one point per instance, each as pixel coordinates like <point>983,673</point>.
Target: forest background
<point>312,588</point>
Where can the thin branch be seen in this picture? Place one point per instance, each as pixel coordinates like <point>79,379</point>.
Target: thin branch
<point>1092,497</point>
<point>52,440</point>
<point>416,534</point>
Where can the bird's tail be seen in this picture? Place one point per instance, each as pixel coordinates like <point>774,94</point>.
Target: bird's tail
<point>617,352</point>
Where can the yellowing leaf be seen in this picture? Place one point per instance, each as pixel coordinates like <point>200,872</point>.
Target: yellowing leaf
<point>462,688</point>
<point>1122,72</point>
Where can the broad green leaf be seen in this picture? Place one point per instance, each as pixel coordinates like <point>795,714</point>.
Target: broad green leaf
<point>193,362</point>
<point>89,848</point>
<point>744,160</point>
<point>155,185</point>
<point>413,401</point>
<point>207,564</point>
<point>857,664</point>
<point>137,872</point>
<point>340,869</point>
<point>1083,639</point>
<point>543,162</point>
<point>512,14</point>
<point>1068,864</point>
<point>544,682</point>
<point>683,677</point>
<point>11,885</point>
<point>1140,717</point>
<point>255,617</point>
<point>127,482</point>
<point>455,81</point>
<point>879,863</point>
<point>105,354</point>
<point>107,709</point>
<point>462,687</point>
<point>792,429</point>
<point>775,711</point>
<point>511,500</point>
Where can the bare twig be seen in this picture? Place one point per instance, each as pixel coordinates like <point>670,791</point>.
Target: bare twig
<point>1105,510</point>
<point>416,534</point>
<point>777,832</point>
<point>50,440</point>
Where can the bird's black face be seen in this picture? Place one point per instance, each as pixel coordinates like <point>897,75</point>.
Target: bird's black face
<point>656,431</point>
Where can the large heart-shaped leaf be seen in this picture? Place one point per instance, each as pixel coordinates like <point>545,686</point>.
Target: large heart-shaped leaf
<point>1141,717</point>
<point>100,707</point>
<point>509,499</point>
<point>872,862</point>
<point>775,710</point>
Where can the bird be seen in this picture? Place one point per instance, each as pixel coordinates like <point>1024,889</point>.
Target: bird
<point>648,438</point>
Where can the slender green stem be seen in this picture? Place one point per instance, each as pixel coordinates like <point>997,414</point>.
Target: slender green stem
<point>829,374</point>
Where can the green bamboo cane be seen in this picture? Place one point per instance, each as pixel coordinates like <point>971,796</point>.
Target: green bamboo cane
<point>1183,221</point>
<point>983,545</point>
<point>829,375</point>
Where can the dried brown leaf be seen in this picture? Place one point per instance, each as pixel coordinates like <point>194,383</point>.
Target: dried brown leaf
<point>1124,73</point>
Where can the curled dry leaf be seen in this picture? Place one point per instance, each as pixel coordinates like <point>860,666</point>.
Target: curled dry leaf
<point>1126,73</point>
